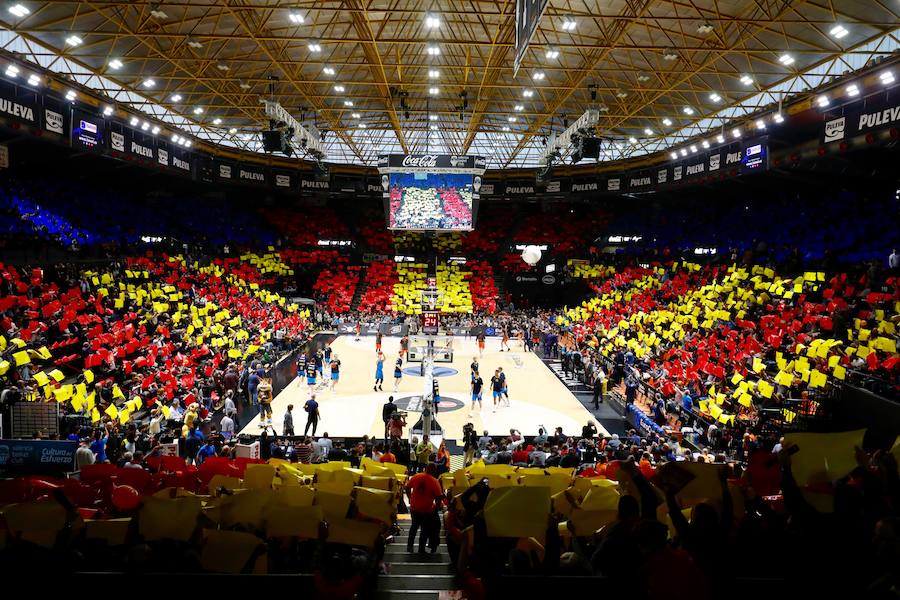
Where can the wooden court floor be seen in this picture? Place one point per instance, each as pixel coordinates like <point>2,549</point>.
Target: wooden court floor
<point>536,396</point>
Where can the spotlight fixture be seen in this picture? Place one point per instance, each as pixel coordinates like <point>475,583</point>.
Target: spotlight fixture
<point>434,91</point>
<point>434,127</point>
<point>527,93</point>
<point>148,83</point>
<point>432,50</point>
<point>34,80</point>
<point>176,98</point>
<point>433,73</point>
<point>217,121</point>
<point>760,124</point>
<point>786,60</point>
<point>232,131</point>
<point>145,126</point>
<point>674,155</point>
<point>17,10</point>
<point>822,101</point>
<point>328,70</point>
<point>519,107</point>
<point>504,128</point>
<point>778,118</point>
<point>688,110</point>
<point>746,80</point>
<point>348,103</point>
<point>355,115</point>
<point>720,138</point>
<point>632,140</point>
<point>683,152</point>
<point>667,122</point>
<point>838,31</point>
<point>296,17</point>
<point>648,131</point>
<point>12,71</point>
<point>705,144</point>
<point>432,117</point>
<point>339,88</point>
<point>432,21</point>
<point>115,64</point>
<point>852,90</point>
<point>176,138</point>
<point>704,29</point>
<point>74,40</point>
<point>511,119</point>
<point>108,110</point>
<point>314,46</point>
<point>670,55</point>
<point>538,75</point>
<point>736,132</point>
<point>134,121</point>
<point>551,53</point>
<point>198,111</point>
<point>693,149</point>
<point>155,130</point>
<point>362,125</point>
<point>568,24</point>
<point>886,78</point>
<point>715,97</point>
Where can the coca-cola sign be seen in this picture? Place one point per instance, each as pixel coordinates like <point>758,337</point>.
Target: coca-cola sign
<point>435,163</point>
<point>425,161</point>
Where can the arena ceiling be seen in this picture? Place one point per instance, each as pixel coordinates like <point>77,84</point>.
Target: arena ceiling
<point>381,76</point>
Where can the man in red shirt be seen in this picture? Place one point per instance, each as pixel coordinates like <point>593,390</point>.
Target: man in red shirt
<point>424,491</point>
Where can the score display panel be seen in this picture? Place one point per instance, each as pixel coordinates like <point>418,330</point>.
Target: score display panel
<point>431,322</point>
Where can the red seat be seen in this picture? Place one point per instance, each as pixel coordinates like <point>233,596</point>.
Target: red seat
<point>97,473</point>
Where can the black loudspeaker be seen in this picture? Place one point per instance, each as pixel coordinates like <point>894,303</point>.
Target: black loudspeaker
<point>272,141</point>
<point>590,147</point>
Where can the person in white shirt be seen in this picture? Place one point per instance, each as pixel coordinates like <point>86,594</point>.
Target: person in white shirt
<point>83,456</point>
<point>325,445</point>
<point>156,421</point>
<point>229,409</point>
<point>894,260</point>
<point>226,426</point>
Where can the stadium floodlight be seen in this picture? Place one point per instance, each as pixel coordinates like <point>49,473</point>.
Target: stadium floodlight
<point>134,121</point>
<point>667,122</point>
<point>74,40</point>
<point>12,71</point>
<point>746,80</point>
<point>115,64</point>
<point>296,17</point>
<point>34,80</point>
<point>432,21</point>
<point>838,31</point>
<point>108,110</point>
<point>18,10</point>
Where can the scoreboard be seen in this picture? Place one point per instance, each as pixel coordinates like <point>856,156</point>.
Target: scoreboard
<point>431,322</point>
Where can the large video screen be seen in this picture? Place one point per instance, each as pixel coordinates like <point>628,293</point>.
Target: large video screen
<point>431,201</point>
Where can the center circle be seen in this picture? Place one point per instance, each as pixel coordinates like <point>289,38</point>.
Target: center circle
<point>438,371</point>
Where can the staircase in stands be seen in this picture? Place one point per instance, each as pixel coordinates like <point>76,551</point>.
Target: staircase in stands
<point>361,288</point>
<point>413,575</point>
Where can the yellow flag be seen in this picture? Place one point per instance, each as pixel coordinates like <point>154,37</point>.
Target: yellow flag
<point>89,376</point>
<point>111,411</point>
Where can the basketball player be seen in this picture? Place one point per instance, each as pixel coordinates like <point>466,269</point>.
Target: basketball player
<point>358,330</point>
<point>398,373</point>
<point>505,386</point>
<point>311,376</point>
<point>378,341</point>
<point>404,346</point>
<point>320,363</point>
<point>504,343</point>
<point>481,343</point>
<point>327,354</point>
<point>474,365</point>
<point>449,344</point>
<point>379,372</point>
<point>477,384</point>
<point>335,371</point>
<point>496,388</point>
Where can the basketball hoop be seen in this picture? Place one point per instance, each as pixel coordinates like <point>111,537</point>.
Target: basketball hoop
<point>432,299</point>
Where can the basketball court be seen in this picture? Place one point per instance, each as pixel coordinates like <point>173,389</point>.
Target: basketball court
<point>536,396</point>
